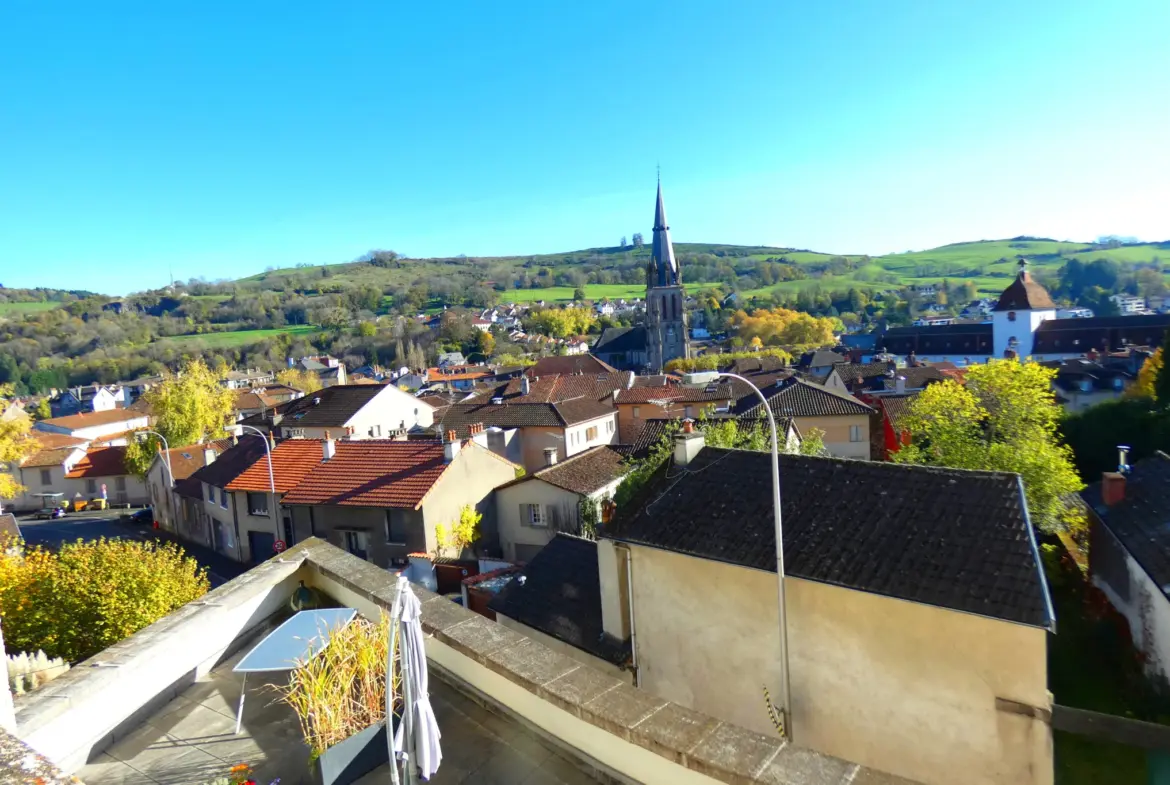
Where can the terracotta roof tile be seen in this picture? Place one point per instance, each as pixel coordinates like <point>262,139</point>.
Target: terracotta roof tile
<point>185,461</point>
<point>100,462</point>
<point>43,458</point>
<point>292,460</point>
<point>569,365</point>
<point>373,473</point>
<point>53,441</point>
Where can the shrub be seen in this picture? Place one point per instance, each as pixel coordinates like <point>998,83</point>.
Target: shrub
<point>90,595</point>
<point>27,671</point>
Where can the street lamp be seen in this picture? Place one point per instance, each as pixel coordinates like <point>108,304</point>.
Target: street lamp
<point>786,697</point>
<point>271,481</point>
<point>166,453</point>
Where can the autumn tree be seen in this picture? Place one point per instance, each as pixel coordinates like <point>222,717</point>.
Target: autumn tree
<point>15,444</point>
<point>1162,376</point>
<point>1147,378</point>
<point>460,534</point>
<point>485,343</point>
<point>783,327</point>
<point>1003,419</point>
<point>189,407</point>
<point>305,381</point>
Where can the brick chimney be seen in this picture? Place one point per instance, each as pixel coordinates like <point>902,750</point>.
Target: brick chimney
<point>687,444</point>
<point>451,446</point>
<point>1112,488</point>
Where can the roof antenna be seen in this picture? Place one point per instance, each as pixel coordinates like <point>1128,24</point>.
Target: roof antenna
<point>1123,459</point>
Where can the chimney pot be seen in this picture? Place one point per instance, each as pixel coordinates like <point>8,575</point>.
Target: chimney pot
<point>687,445</point>
<point>1112,488</point>
<point>550,456</point>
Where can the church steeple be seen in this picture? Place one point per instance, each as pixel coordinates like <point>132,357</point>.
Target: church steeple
<point>663,265</point>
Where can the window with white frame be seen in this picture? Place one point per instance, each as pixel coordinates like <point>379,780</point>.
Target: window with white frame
<point>357,543</point>
<point>854,433</point>
<point>210,494</point>
<point>591,433</point>
<point>257,504</point>
<point>609,426</point>
<point>637,412</point>
<point>223,498</point>
<point>533,515</point>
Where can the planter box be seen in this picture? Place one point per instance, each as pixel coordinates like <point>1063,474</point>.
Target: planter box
<point>352,759</point>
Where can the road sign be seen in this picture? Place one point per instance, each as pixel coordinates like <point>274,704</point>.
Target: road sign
<point>279,546</point>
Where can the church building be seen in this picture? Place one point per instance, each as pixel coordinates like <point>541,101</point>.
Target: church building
<point>1024,324</point>
<point>664,335</point>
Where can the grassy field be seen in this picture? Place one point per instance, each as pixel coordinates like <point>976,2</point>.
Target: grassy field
<point>241,337</point>
<point>15,309</point>
<point>593,291</point>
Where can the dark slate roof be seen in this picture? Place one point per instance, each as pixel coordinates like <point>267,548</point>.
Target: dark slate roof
<point>460,417</point>
<point>966,339</point>
<point>1100,333</point>
<point>641,442</point>
<point>897,407</point>
<point>916,377</point>
<point>621,339</point>
<point>1024,294</point>
<point>798,398</point>
<point>746,366</point>
<point>584,473</point>
<point>569,364</point>
<point>555,388</point>
<point>327,408</point>
<point>1141,521</point>
<point>945,537</point>
<point>860,372</point>
<point>232,462</point>
<point>561,597</point>
<point>676,392</point>
<point>821,357</point>
<point>1071,374</point>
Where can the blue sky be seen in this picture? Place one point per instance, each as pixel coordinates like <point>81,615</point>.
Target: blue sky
<point>215,139</point>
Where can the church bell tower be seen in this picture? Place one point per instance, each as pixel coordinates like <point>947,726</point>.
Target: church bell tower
<point>666,321</point>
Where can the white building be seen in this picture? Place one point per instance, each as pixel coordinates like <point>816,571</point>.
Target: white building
<point>1129,304</point>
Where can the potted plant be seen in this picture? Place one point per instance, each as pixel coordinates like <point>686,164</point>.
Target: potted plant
<point>340,698</point>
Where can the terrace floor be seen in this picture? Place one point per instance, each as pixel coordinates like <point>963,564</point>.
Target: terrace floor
<point>191,740</point>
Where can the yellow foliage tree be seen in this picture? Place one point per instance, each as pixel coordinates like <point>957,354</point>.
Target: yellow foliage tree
<point>300,380</point>
<point>15,444</point>
<point>461,534</point>
<point>1147,377</point>
<point>90,595</point>
<point>782,327</point>
<point>564,322</point>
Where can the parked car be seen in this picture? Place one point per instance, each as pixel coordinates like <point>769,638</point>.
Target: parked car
<point>50,512</point>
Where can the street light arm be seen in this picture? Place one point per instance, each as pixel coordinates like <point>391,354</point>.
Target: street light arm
<point>786,697</point>
<point>166,453</point>
<point>268,454</point>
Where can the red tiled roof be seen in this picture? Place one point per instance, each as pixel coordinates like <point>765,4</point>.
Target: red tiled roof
<point>100,462</point>
<point>43,458</point>
<point>291,461</point>
<point>373,473</point>
<point>87,419</point>
<point>185,461</point>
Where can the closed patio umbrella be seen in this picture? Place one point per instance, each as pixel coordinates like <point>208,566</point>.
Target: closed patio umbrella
<point>417,737</point>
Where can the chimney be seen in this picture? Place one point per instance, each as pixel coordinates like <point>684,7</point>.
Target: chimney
<point>550,456</point>
<point>328,447</point>
<point>687,444</point>
<point>525,387</point>
<point>1112,488</point>
<point>208,456</point>
<point>451,446</point>
<point>900,385</point>
<point>271,441</point>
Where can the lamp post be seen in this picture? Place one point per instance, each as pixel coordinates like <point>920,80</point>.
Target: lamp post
<point>786,696</point>
<point>271,481</point>
<point>166,453</point>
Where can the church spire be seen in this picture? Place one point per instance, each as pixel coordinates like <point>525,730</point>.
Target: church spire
<point>662,253</point>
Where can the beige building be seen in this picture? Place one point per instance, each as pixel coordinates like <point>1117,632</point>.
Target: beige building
<point>531,510</point>
<point>675,401</point>
<point>175,500</point>
<point>844,420</point>
<point>381,500</point>
<point>916,640</point>
<point>356,411</point>
<point>44,470</point>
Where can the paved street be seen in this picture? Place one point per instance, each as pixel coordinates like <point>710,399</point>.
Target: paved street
<point>93,525</point>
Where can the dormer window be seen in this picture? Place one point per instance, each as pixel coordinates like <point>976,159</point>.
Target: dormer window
<point>1011,316</point>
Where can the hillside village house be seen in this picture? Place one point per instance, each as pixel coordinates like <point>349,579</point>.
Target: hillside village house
<point>362,411</point>
<point>1081,382</point>
<point>329,370</point>
<point>111,426</point>
<point>665,401</point>
<point>532,509</point>
<point>174,509</point>
<point>844,420</point>
<point>216,510</point>
<point>247,379</point>
<point>102,473</point>
<point>88,398</point>
<point>1129,551</point>
<point>45,470</point>
<point>381,500</point>
<point>903,624</point>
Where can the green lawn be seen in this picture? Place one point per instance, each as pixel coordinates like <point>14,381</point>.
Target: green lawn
<point>593,291</point>
<point>241,337</point>
<point>23,308</point>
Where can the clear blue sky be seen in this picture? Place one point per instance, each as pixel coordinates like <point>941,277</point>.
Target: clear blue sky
<point>215,139</point>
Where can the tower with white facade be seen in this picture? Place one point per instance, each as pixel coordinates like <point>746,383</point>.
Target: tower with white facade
<point>1022,307</point>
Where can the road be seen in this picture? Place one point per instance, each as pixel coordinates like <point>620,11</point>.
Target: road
<point>94,525</point>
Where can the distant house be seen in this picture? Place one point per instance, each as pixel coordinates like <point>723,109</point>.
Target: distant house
<point>844,420</point>
<point>382,500</point>
<point>176,507</point>
<point>247,379</point>
<point>894,409</point>
<point>96,425</point>
<point>1081,383</point>
<point>668,401</point>
<point>820,362</point>
<point>1129,552</point>
<point>102,473</point>
<point>623,347</point>
<point>532,509</point>
<point>350,411</point>
<point>329,370</point>
<point>1128,304</point>
<point>89,398</point>
<point>44,470</point>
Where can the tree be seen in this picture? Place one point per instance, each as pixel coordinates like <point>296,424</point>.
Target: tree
<point>638,241</point>
<point>301,380</point>
<point>367,329</point>
<point>783,327</point>
<point>485,343</point>
<point>15,445</point>
<point>42,411</point>
<point>460,535</point>
<point>1151,371</point>
<point>92,594</point>
<point>1003,419</point>
<point>578,294</point>
<point>624,243</point>
<point>189,407</point>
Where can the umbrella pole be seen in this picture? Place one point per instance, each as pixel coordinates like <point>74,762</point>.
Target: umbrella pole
<point>395,618</point>
<point>410,770</point>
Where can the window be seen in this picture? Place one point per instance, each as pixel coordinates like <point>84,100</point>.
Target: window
<point>637,412</point>
<point>46,477</point>
<point>395,527</point>
<point>609,426</point>
<point>533,515</point>
<point>295,433</point>
<point>91,486</point>
<point>357,543</point>
<point>210,494</point>
<point>223,498</point>
<point>258,504</point>
<point>120,483</point>
<point>496,442</point>
<point>689,411</point>
<point>854,433</point>
<point>591,433</point>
